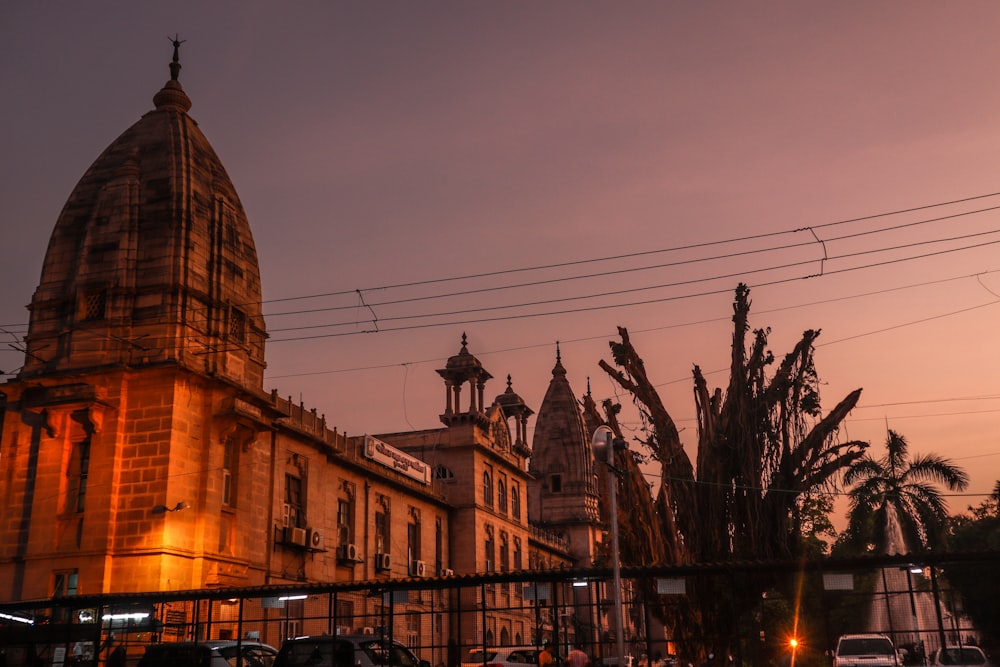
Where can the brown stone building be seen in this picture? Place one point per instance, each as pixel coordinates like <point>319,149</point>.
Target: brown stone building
<point>140,452</point>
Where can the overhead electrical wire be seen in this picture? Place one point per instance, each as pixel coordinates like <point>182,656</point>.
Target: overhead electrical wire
<point>621,305</point>
<point>635,269</point>
<point>643,253</point>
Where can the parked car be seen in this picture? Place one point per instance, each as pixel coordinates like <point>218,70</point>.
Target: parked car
<point>221,653</point>
<point>501,656</point>
<point>961,656</point>
<point>865,650</point>
<point>346,651</point>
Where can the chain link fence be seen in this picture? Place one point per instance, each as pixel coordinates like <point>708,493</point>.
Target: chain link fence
<point>444,621</point>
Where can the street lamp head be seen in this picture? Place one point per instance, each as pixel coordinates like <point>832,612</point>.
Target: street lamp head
<point>603,436</point>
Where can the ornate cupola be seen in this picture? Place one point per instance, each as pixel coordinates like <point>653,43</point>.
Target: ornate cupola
<point>513,406</point>
<point>151,261</point>
<point>461,368</point>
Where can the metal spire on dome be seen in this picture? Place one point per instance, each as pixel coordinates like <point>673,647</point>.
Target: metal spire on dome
<point>558,368</point>
<point>175,65</point>
<point>172,96</point>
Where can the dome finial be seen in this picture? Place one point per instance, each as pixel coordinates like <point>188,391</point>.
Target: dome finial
<point>558,369</point>
<point>175,65</point>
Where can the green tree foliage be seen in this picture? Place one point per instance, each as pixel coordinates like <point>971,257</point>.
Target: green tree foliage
<point>893,499</point>
<point>977,582</point>
<point>765,451</point>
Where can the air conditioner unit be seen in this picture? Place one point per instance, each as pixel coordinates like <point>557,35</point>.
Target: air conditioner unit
<point>383,562</point>
<point>295,536</point>
<point>447,572</point>
<point>315,539</point>
<point>348,553</point>
<point>418,568</point>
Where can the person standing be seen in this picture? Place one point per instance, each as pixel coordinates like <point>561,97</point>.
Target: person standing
<point>545,657</point>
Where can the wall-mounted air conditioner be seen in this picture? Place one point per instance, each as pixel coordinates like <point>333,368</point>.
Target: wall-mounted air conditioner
<point>418,568</point>
<point>295,536</point>
<point>348,553</point>
<point>447,572</point>
<point>315,539</point>
<point>383,562</point>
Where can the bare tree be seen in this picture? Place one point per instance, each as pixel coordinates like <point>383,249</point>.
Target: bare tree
<point>763,448</point>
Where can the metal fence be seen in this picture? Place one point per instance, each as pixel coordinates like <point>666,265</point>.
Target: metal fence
<point>443,619</point>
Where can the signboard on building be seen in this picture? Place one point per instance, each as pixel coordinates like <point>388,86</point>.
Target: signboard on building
<point>390,457</point>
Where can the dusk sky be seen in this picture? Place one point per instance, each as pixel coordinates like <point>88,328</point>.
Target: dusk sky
<point>533,172</point>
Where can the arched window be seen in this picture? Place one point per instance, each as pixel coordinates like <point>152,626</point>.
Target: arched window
<point>490,550</point>
<point>504,552</point>
<point>501,496</point>
<point>487,489</point>
<point>515,502</point>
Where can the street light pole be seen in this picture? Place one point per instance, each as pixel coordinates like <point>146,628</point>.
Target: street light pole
<point>604,442</point>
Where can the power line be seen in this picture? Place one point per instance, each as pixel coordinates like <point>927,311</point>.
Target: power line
<point>623,305</point>
<point>693,246</point>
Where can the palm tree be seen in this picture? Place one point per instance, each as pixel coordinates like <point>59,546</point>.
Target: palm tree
<point>895,503</point>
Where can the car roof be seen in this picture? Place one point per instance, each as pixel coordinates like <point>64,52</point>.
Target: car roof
<point>353,638</point>
<point>221,643</point>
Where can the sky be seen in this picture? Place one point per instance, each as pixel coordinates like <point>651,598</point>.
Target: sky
<point>532,172</point>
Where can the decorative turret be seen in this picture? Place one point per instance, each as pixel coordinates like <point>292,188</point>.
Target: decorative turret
<point>514,406</point>
<point>461,368</point>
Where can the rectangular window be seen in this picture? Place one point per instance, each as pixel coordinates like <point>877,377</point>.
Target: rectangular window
<point>438,540</point>
<point>344,614</point>
<point>237,326</point>
<point>228,468</point>
<point>294,510</point>
<point>76,476</point>
<point>94,305</point>
<point>345,522</point>
<point>413,540</point>
<point>64,583</point>
<point>381,532</point>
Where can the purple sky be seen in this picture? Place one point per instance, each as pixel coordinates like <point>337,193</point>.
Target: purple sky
<point>377,144</point>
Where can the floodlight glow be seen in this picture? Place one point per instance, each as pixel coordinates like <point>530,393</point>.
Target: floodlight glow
<point>16,619</point>
<point>136,616</point>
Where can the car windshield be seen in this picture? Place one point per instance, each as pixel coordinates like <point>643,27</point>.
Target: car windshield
<point>253,656</point>
<point>865,646</point>
<point>523,656</point>
<point>340,654</point>
<point>382,652</point>
<point>476,655</point>
<point>961,656</point>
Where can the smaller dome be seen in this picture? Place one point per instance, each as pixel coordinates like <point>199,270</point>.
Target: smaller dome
<point>464,365</point>
<point>510,401</point>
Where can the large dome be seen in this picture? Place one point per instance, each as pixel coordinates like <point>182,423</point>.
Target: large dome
<point>152,260</point>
